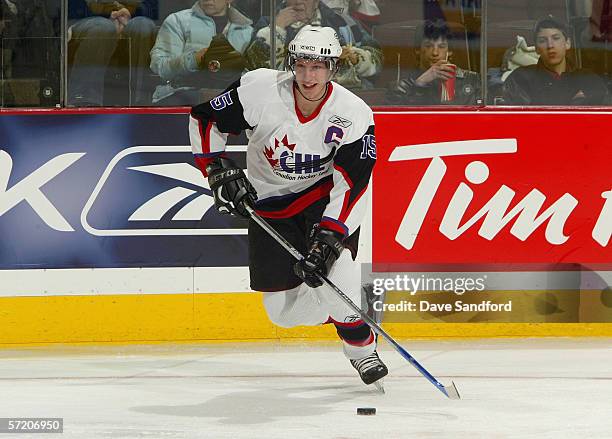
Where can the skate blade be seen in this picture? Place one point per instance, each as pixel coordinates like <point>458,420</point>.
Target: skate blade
<point>380,386</point>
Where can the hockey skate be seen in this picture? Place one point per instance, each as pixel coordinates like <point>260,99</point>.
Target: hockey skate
<point>380,370</point>
<point>371,369</point>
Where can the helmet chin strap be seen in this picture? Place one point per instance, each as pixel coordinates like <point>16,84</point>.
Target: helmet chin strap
<point>312,100</point>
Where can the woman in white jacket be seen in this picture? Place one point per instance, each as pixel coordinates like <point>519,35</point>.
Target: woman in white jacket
<point>199,48</point>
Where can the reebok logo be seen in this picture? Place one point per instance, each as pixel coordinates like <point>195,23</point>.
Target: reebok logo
<point>340,121</point>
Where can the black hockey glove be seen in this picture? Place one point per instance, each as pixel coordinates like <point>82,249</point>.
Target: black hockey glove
<point>324,250</point>
<point>230,187</point>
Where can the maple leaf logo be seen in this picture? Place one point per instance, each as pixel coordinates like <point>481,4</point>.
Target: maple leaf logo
<point>290,146</point>
<point>269,151</point>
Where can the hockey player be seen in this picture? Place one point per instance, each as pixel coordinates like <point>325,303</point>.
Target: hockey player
<point>310,154</point>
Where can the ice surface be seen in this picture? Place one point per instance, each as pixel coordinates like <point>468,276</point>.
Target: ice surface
<point>518,388</point>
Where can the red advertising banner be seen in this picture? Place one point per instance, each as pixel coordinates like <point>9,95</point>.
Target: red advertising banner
<point>507,189</point>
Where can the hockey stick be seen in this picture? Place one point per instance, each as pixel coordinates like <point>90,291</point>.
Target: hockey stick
<point>450,391</point>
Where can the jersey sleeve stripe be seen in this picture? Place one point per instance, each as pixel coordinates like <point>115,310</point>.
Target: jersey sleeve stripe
<point>210,154</point>
<point>195,135</point>
<point>345,175</point>
<point>335,225</point>
<point>205,136</point>
<point>345,203</point>
<point>347,211</point>
<point>347,193</point>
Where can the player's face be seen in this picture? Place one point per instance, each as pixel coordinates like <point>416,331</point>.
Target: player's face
<point>304,8</point>
<point>214,7</point>
<point>552,47</point>
<point>311,77</point>
<point>432,51</point>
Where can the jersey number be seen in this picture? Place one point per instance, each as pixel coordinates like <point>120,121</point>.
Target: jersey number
<point>369,147</point>
<point>221,101</point>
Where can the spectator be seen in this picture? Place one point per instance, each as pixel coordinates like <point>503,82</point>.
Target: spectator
<point>94,42</point>
<point>436,80</point>
<point>364,11</point>
<point>199,48</point>
<point>600,22</point>
<point>553,80</point>
<point>596,38</point>
<point>32,50</point>
<point>8,15</point>
<point>361,58</point>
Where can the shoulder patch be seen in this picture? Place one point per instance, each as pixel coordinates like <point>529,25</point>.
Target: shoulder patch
<point>340,121</point>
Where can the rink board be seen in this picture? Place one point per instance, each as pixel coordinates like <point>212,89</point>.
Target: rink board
<point>210,317</point>
<point>159,305</point>
<point>78,248</point>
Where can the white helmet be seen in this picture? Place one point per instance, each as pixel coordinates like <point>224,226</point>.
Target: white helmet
<point>315,43</point>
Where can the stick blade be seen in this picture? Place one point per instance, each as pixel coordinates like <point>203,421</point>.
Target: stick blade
<point>451,391</point>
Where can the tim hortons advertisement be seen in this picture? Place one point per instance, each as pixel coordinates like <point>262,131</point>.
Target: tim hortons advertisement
<point>520,190</point>
<point>492,217</point>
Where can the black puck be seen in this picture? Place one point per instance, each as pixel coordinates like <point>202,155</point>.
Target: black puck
<point>366,411</point>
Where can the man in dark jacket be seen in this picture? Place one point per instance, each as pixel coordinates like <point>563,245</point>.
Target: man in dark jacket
<point>427,84</point>
<point>553,80</point>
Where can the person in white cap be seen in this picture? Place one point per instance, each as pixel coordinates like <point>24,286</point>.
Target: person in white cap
<point>310,155</point>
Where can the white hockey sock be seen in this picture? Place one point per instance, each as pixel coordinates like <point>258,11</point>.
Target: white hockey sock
<point>353,352</point>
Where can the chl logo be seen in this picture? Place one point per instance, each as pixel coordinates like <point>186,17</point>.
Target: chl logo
<point>283,158</point>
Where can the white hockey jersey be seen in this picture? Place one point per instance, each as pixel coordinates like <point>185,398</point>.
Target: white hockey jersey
<point>293,160</point>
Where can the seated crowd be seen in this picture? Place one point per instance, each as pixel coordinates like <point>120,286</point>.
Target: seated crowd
<point>124,52</point>
<point>204,47</point>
